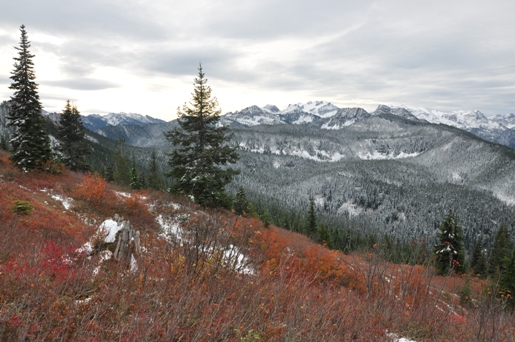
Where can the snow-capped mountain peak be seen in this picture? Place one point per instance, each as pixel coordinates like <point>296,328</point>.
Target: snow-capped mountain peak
<point>320,108</point>
<point>271,108</point>
<point>97,121</point>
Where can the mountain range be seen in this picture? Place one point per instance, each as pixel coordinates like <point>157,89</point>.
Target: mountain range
<point>393,171</point>
<point>497,129</point>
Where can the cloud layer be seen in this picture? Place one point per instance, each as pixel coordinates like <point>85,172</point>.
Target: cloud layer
<point>136,56</point>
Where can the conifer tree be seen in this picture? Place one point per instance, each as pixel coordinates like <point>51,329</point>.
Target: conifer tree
<point>241,205</point>
<point>312,220</point>
<point>154,179</point>
<point>481,268</point>
<point>476,254</point>
<point>109,175</point>
<point>122,164</point>
<point>507,281</point>
<point>73,146</point>
<point>143,180</point>
<point>201,149</point>
<point>324,235</point>
<point>500,251</point>
<point>135,180</point>
<point>266,218</point>
<point>30,142</point>
<point>450,252</point>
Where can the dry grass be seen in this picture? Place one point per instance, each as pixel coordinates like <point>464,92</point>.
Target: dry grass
<point>194,290</point>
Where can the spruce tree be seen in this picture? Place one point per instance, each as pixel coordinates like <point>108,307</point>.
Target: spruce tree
<point>481,268</point>
<point>30,142</point>
<point>450,253</point>
<point>109,174</point>
<point>154,179</point>
<point>122,164</point>
<point>135,179</point>
<point>325,236</point>
<point>311,229</point>
<point>266,218</point>
<point>476,254</point>
<point>507,281</point>
<point>201,151</point>
<point>241,205</point>
<point>500,251</point>
<point>73,146</point>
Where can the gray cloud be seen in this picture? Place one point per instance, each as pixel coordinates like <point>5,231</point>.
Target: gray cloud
<point>82,84</point>
<point>441,54</point>
<point>94,18</point>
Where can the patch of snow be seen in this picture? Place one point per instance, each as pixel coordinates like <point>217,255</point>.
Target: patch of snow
<point>109,228</point>
<point>134,264</point>
<point>123,194</point>
<point>237,260</point>
<point>276,164</point>
<point>456,176</point>
<point>66,201</point>
<point>506,199</point>
<point>376,155</point>
<point>170,226</point>
<point>351,208</point>
<point>87,247</point>
<point>82,301</point>
<point>90,138</point>
<point>396,338</point>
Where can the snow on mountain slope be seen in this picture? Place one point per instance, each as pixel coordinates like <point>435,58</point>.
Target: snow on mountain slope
<point>458,118</point>
<point>96,121</point>
<point>296,114</point>
<point>320,108</point>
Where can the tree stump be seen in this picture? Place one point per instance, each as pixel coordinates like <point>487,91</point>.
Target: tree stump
<point>128,244</point>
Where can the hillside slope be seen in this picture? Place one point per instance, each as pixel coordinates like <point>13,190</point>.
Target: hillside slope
<point>200,275</point>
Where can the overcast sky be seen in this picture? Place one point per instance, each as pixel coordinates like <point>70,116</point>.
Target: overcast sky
<point>142,56</point>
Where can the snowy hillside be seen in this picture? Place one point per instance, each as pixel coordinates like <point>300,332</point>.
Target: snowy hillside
<point>94,122</point>
<point>498,128</point>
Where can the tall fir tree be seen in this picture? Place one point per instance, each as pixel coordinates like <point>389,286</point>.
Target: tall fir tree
<point>73,146</point>
<point>202,149</point>
<point>30,142</point>
<point>500,251</point>
<point>507,281</point>
<point>241,204</point>
<point>450,253</point>
<point>325,236</point>
<point>311,229</point>
<point>154,178</point>
<point>476,254</point>
<point>135,178</point>
<point>122,164</point>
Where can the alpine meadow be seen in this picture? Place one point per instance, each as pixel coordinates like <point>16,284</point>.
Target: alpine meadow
<point>314,222</point>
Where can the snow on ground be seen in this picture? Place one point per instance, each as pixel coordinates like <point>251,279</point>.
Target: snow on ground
<point>123,194</point>
<point>376,155</point>
<point>351,208</point>
<point>90,138</point>
<point>170,226</point>
<point>109,228</point>
<point>397,338</point>
<point>238,261</point>
<point>66,201</point>
<point>233,258</point>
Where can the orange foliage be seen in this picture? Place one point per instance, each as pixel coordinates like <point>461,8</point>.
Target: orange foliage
<point>290,255</point>
<point>48,292</point>
<point>93,189</point>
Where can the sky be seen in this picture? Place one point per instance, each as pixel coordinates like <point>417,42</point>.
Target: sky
<point>141,57</point>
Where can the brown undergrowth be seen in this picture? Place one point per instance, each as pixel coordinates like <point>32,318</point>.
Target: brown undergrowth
<point>219,278</point>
